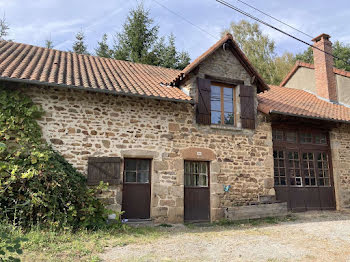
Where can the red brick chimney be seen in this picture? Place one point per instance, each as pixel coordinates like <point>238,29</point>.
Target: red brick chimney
<point>326,85</point>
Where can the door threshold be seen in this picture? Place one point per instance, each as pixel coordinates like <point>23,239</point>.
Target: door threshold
<point>133,220</point>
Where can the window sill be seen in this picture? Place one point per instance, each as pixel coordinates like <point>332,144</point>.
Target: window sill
<point>223,127</point>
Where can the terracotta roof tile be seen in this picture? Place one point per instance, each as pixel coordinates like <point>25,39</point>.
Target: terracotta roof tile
<point>310,66</point>
<point>40,65</point>
<point>290,101</point>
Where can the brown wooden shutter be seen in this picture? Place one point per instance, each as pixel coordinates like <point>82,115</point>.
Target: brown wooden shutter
<point>247,106</point>
<point>106,169</point>
<point>203,107</point>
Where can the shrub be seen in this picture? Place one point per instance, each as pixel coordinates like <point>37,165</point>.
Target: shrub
<point>37,185</point>
<point>10,246</point>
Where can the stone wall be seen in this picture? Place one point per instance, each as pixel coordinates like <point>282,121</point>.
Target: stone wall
<point>340,147</point>
<point>80,124</point>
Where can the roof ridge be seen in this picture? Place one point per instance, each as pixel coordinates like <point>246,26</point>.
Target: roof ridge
<point>88,55</point>
<point>299,63</point>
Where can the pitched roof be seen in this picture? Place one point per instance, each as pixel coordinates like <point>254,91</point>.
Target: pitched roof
<point>296,102</point>
<point>38,65</point>
<point>310,66</point>
<point>240,55</point>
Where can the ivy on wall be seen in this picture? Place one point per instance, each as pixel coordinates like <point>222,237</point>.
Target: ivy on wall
<point>37,185</point>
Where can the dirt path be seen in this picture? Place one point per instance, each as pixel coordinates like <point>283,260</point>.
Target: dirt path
<point>316,236</point>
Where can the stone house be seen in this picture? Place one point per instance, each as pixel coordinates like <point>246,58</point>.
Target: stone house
<point>185,145</point>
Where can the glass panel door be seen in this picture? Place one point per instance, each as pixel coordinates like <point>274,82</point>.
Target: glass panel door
<point>309,168</point>
<point>323,169</point>
<point>295,178</point>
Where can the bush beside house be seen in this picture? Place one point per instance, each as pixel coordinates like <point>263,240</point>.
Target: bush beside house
<point>37,185</point>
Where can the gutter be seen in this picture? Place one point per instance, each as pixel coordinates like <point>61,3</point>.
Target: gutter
<point>96,90</point>
<point>309,117</point>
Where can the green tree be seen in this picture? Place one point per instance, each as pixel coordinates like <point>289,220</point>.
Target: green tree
<point>260,50</point>
<point>103,49</point>
<point>165,54</point>
<point>139,42</point>
<point>4,28</point>
<point>79,45</point>
<point>306,56</point>
<point>137,38</point>
<point>48,43</point>
<point>283,65</point>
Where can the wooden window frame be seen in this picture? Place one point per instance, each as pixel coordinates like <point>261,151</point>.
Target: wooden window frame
<point>149,174</point>
<point>298,146</point>
<point>208,173</point>
<point>222,108</point>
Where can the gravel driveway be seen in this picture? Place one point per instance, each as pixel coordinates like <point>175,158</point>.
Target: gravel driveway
<point>313,236</point>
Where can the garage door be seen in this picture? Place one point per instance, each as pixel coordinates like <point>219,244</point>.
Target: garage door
<point>302,169</point>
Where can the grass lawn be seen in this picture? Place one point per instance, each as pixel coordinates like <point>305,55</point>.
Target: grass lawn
<point>86,245</point>
<point>83,245</point>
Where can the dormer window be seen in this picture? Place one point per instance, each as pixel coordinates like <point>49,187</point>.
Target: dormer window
<point>223,106</point>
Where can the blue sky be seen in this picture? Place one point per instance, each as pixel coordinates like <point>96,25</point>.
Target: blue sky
<point>34,21</point>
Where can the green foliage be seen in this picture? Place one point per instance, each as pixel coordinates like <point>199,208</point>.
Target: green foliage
<point>79,45</point>
<point>4,28</point>
<point>10,246</point>
<point>37,185</point>
<point>307,56</point>
<point>139,43</point>
<point>166,55</point>
<point>103,49</point>
<point>48,43</point>
<point>340,50</point>
<point>260,50</point>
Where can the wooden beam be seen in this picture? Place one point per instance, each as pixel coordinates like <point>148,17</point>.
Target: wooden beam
<point>224,80</point>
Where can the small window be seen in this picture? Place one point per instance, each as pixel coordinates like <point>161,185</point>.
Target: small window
<point>309,169</point>
<point>321,139</point>
<point>305,138</point>
<point>222,105</point>
<point>295,178</point>
<point>323,169</point>
<point>291,136</point>
<point>137,171</point>
<point>279,168</point>
<point>277,135</point>
<point>196,174</point>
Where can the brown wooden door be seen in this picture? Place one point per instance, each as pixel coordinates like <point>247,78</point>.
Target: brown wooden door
<point>137,189</point>
<point>303,169</point>
<point>197,191</point>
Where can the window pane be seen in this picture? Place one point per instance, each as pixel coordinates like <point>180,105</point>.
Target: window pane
<point>215,104</point>
<point>291,136</point>
<point>215,117</point>
<point>142,176</point>
<point>320,139</point>
<point>198,176</point>
<point>215,98</point>
<point>229,118</point>
<point>306,138</point>
<point>187,167</point>
<point>202,181</point>
<point>188,180</point>
<point>130,164</point>
<point>143,165</point>
<point>228,100</point>
<point>277,134</point>
<point>130,176</point>
<point>228,106</point>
